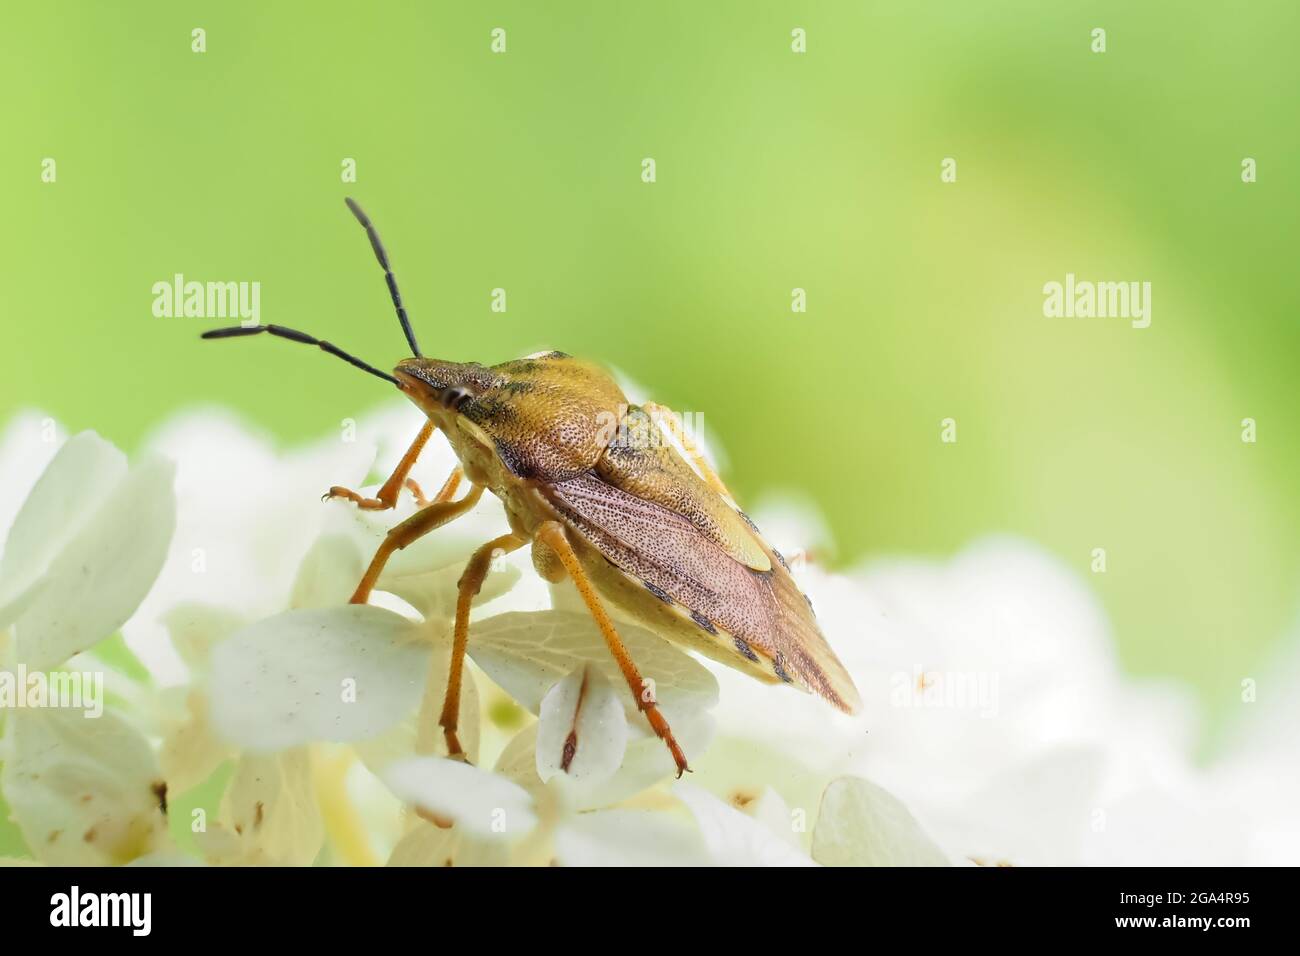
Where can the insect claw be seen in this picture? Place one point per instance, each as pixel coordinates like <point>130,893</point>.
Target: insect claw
<point>678,756</point>
<point>365,504</point>
<point>454,750</point>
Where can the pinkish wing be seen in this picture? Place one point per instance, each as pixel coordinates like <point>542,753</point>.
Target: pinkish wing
<point>763,613</point>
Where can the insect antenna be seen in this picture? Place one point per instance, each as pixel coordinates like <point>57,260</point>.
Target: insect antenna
<point>382,256</point>
<point>293,335</point>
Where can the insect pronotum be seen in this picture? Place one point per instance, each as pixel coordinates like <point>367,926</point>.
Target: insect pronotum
<point>616,509</point>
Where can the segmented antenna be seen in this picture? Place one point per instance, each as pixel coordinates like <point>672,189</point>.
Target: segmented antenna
<point>382,256</point>
<point>293,335</point>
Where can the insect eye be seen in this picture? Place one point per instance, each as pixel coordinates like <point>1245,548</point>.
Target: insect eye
<point>454,398</point>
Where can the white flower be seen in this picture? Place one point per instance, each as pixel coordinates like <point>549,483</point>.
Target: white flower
<point>861,824</point>
<point>997,725</point>
<point>81,553</point>
<point>83,792</point>
<point>995,711</point>
<point>246,515</point>
<point>582,728</point>
<point>631,838</point>
<point>1255,781</point>
<point>324,671</point>
<point>83,550</point>
<point>335,674</point>
<point>732,838</point>
<point>532,654</point>
<point>480,803</point>
<point>269,815</point>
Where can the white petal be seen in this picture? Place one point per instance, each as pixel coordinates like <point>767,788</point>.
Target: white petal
<point>770,785</point>
<point>528,653</point>
<point>28,444</point>
<point>271,807</point>
<point>482,803</point>
<point>433,593</point>
<point>861,824</point>
<point>430,739</point>
<point>103,573</point>
<point>583,728</point>
<point>76,482</point>
<point>628,838</point>
<point>424,845</point>
<point>517,761</point>
<point>329,572</point>
<point>190,751</point>
<point>771,810</point>
<point>341,674</point>
<point>220,846</point>
<point>246,515</point>
<point>420,734</point>
<point>84,791</point>
<point>733,839</point>
<point>166,858</point>
<point>645,762</point>
<point>427,845</point>
<point>195,629</point>
<point>1037,813</point>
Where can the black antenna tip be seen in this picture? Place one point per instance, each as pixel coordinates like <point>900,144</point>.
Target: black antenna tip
<point>357,210</point>
<point>231,332</point>
<point>377,247</point>
<point>293,335</point>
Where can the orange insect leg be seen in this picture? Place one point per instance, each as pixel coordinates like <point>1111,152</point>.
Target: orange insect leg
<point>551,534</point>
<point>386,497</point>
<point>468,586</point>
<point>435,515</point>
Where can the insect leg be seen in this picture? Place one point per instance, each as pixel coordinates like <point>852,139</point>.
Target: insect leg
<point>468,586</point>
<point>386,497</point>
<point>551,534</point>
<point>444,493</point>
<point>417,526</point>
<point>667,419</point>
<point>448,487</point>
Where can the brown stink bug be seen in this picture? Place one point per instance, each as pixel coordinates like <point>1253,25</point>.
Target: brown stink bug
<point>585,477</point>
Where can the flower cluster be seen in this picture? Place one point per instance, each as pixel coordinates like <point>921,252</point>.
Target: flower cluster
<point>250,715</point>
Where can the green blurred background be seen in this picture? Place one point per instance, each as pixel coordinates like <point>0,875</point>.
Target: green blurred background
<point>775,171</point>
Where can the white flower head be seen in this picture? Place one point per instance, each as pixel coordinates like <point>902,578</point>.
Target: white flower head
<point>82,551</point>
<point>997,726</point>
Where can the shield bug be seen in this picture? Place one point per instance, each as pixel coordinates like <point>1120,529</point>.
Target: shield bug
<point>590,482</point>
